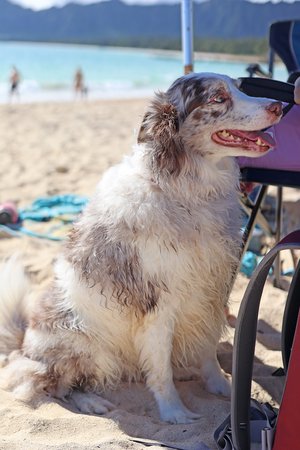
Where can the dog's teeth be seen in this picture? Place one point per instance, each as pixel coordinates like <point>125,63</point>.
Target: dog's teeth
<point>225,133</point>
<point>230,136</point>
<point>259,141</point>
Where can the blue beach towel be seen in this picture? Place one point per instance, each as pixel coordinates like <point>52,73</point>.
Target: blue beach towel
<point>64,208</point>
<point>47,208</point>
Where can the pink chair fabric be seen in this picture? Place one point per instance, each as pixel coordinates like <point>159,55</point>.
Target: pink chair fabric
<point>286,154</point>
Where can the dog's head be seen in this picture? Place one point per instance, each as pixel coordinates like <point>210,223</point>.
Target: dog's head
<point>207,114</point>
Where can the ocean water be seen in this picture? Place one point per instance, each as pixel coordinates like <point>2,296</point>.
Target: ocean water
<point>47,70</point>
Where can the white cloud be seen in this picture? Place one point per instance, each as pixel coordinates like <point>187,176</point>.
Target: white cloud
<point>273,1</point>
<point>43,4</point>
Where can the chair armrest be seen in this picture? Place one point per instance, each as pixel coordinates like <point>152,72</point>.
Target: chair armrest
<point>265,87</point>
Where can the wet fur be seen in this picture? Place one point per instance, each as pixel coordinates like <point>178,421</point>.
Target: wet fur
<point>142,283</point>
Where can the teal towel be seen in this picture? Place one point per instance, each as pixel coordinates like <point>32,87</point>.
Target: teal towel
<point>47,208</point>
<point>63,207</point>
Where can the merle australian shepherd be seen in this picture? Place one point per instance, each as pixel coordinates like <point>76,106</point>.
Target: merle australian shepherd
<point>142,283</point>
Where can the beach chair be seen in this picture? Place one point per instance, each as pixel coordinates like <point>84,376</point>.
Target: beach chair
<point>281,167</point>
<point>251,422</point>
<point>284,41</point>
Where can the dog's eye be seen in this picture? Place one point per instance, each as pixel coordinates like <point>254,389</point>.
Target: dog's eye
<point>219,99</point>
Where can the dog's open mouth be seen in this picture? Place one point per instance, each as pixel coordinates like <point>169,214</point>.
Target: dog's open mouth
<point>257,141</point>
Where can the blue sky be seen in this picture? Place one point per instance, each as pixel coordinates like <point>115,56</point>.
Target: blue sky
<point>42,4</point>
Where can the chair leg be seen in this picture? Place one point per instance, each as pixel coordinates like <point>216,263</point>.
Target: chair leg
<point>252,219</point>
<point>277,264</point>
<point>255,211</point>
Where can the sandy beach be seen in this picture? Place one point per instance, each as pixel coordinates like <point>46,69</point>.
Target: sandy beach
<point>62,148</point>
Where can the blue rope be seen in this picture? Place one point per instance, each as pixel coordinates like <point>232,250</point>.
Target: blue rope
<point>18,232</point>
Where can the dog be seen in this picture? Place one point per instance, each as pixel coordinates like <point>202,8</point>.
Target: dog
<point>142,284</point>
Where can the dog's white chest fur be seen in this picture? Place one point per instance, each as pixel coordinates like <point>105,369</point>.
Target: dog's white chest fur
<point>180,253</point>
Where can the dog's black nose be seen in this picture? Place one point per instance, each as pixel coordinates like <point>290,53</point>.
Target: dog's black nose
<point>275,108</point>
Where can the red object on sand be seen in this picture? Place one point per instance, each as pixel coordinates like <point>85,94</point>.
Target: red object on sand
<point>8,213</point>
<point>287,428</point>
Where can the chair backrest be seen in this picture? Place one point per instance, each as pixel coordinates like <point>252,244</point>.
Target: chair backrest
<point>286,154</point>
<point>284,40</point>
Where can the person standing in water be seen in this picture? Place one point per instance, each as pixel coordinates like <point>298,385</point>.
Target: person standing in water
<point>14,80</point>
<point>79,87</point>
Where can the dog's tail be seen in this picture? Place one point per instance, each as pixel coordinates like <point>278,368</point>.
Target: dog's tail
<point>14,288</point>
<point>18,373</point>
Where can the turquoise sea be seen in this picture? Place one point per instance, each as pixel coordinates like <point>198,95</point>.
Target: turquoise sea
<point>47,70</point>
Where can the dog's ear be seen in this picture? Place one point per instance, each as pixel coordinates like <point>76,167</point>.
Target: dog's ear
<point>160,121</point>
<point>142,136</point>
<point>160,129</point>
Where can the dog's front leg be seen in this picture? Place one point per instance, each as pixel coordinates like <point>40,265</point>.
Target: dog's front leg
<point>215,380</point>
<point>153,342</point>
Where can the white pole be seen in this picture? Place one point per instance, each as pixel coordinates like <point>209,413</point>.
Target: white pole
<point>187,34</point>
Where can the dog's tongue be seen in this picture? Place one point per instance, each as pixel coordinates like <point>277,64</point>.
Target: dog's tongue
<point>266,138</point>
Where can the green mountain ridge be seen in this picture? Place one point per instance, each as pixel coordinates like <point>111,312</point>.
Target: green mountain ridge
<point>116,22</point>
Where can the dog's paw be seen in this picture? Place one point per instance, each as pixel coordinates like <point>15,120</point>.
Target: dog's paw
<point>90,403</point>
<point>178,415</point>
<point>170,406</point>
<point>219,384</point>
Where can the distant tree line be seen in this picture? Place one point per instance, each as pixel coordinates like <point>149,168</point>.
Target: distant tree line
<point>244,46</point>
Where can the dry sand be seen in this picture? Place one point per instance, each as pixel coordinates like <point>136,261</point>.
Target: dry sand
<point>58,148</point>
